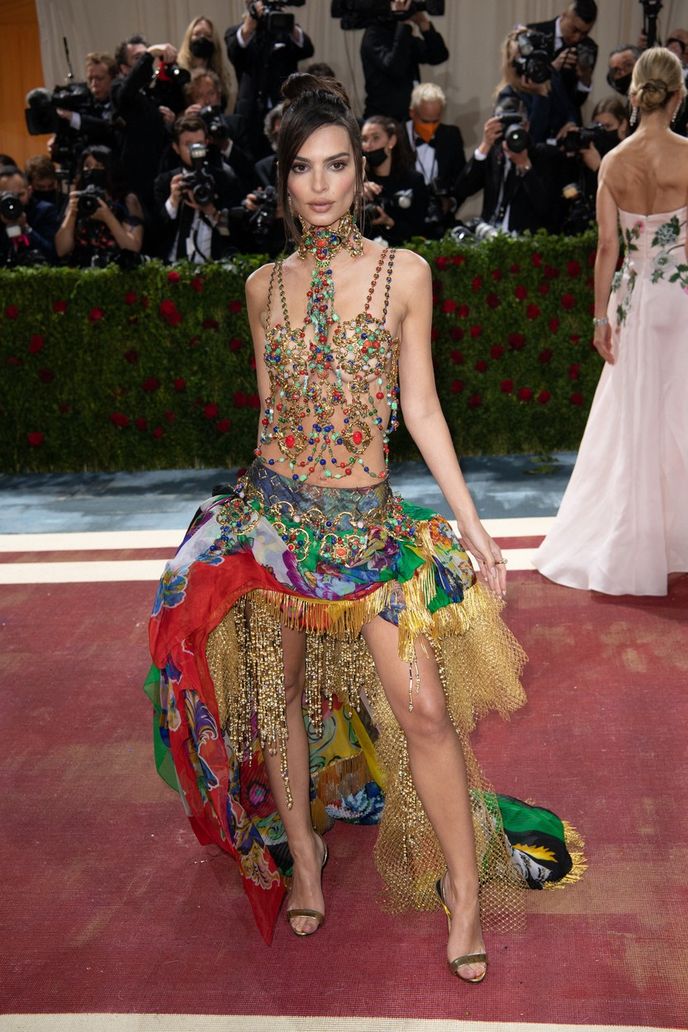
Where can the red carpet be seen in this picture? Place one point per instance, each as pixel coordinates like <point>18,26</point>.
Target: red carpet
<point>114,907</point>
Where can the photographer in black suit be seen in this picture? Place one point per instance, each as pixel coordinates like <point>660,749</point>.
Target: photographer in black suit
<point>439,154</point>
<point>573,52</point>
<point>516,175</point>
<point>392,49</point>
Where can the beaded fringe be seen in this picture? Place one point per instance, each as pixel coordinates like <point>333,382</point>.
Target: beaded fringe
<point>479,663</point>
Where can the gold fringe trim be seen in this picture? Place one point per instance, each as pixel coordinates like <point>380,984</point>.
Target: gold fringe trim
<point>340,619</point>
<point>576,847</point>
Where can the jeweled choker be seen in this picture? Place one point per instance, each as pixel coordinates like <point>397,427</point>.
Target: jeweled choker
<point>324,242</point>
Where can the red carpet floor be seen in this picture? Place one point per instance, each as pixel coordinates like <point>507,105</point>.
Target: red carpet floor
<point>112,906</point>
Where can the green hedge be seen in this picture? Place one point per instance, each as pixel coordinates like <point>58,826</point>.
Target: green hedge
<point>107,370</point>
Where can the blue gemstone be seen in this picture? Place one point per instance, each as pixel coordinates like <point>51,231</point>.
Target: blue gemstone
<point>271,462</point>
<point>295,476</point>
<point>323,462</point>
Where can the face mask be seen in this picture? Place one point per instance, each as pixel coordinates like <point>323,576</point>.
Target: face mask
<point>45,195</point>
<point>203,48</point>
<point>621,85</point>
<point>607,142</point>
<point>426,130</point>
<point>93,177</point>
<point>377,157</point>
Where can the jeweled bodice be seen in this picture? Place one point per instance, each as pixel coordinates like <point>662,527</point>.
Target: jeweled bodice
<point>333,388</point>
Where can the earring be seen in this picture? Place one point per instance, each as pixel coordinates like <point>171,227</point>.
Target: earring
<point>634,116</point>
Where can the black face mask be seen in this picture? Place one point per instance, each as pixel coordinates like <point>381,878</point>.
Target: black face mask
<point>621,85</point>
<point>203,48</point>
<point>45,195</point>
<point>93,177</point>
<point>377,157</point>
<point>608,141</point>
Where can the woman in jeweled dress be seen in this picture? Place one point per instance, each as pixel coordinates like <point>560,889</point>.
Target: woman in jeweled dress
<point>622,526</point>
<point>311,604</point>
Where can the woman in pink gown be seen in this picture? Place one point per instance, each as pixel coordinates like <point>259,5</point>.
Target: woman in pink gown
<point>622,526</point>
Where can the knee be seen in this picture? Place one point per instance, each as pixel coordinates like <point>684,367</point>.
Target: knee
<point>429,719</point>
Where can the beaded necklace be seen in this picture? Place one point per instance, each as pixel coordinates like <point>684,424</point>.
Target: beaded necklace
<point>315,381</point>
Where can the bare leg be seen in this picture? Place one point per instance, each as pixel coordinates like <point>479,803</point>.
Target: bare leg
<point>439,774</point>
<point>305,846</point>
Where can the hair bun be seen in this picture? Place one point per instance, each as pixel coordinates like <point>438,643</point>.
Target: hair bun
<point>302,86</point>
<point>652,93</point>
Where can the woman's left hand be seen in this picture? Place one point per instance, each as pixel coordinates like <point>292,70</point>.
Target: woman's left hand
<point>487,554</point>
<point>102,212</point>
<point>603,342</point>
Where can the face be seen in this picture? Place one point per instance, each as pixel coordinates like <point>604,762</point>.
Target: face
<point>185,141</point>
<point>612,124</point>
<point>202,28</point>
<point>427,111</point>
<point>16,185</point>
<point>44,184</point>
<point>205,92</point>
<point>133,51</point>
<point>99,81</point>
<point>621,64</point>
<point>373,137</point>
<point>573,28</point>
<point>677,48</point>
<point>322,177</point>
<point>90,163</point>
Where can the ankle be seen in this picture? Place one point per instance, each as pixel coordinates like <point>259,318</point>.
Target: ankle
<point>461,890</point>
<point>302,846</point>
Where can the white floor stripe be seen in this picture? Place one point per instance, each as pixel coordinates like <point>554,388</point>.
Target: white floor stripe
<point>280,1023</point>
<point>104,539</point>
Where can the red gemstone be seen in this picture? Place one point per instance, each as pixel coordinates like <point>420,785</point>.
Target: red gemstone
<point>290,440</point>
<point>357,437</point>
<point>379,395</point>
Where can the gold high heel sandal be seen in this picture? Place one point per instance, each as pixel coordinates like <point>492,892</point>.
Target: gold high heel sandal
<point>469,958</point>
<point>315,914</point>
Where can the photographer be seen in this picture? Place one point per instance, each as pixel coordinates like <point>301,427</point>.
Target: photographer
<point>528,78</point>
<point>99,224</point>
<point>621,64</point>
<point>201,51</point>
<point>439,154</point>
<point>191,201</point>
<point>396,195</point>
<point>146,97</point>
<point>515,174</point>
<point>94,123</point>
<point>27,225</point>
<point>573,52</point>
<point>226,133</point>
<point>263,57</point>
<point>392,49</point>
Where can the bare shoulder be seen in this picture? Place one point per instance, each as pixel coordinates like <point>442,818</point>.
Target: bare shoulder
<point>413,267</point>
<point>258,283</point>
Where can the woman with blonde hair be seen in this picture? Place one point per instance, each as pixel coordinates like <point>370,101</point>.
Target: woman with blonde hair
<point>202,48</point>
<point>622,527</point>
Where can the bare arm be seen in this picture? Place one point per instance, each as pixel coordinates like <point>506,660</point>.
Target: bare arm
<point>605,262</point>
<point>426,423</point>
<point>256,305</point>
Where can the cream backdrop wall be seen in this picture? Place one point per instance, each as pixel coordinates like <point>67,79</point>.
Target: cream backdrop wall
<point>473,30</point>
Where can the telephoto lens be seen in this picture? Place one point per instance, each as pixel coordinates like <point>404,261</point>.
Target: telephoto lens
<point>11,208</point>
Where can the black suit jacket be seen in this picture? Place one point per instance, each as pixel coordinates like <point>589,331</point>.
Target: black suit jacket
<point>532,198</point>
<point>568,75</point>
<point>449,152</point>
<point>229,194</point>
<point>261,67</point>
<point>391,56</point>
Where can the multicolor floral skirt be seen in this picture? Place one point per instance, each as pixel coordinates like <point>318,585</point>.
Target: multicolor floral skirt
<point>273,553</point>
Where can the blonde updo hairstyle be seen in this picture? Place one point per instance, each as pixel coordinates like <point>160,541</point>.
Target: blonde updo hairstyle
<point>657,77</point>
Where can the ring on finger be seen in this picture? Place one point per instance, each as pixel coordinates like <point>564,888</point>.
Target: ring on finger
<point>501,562</point>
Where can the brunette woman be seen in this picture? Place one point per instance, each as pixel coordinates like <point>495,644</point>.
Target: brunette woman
<point>396,193</point>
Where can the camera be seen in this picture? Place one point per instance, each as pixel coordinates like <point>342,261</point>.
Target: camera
<point>258,224</point>
<point>214,123</point>
<point>41,111</point>
<point>596,134</point>
<point>402,199</point>
<point>87,204</point>
<point>199,182</point>
<point>580,210</point>
<point>533,61</point>
<point>514,134</point>
<point>274,20</point>
<point>359,14</point>
<point>441,204</point>
<point>473,231</point>
<point>11,208</point>
<point>585,54</point>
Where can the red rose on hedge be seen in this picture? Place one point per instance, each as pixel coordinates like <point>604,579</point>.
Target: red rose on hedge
<point>11,312</point>
<point>235,344</point>
<point>150,384</point>
<point>36,344</point>
<point>119,419</point>
<point>170,313</point>
<point>170,416</point>
<point>497,275</point>
<point>60,307</point>
<point>95,315</point>
<point>574,371</point>
<point>463,311</point>
<point>475,401</point>
<point>210,324</point>
<point>131,356</point>
<point>441,262</point>
<point>457,386</point>
<point>157,433</point>
<point>456,356</point>
<point>197,284</point>
<point>536,259</point>
<point>449,306</point>
<point>573,268</point>
<point>46,375</point>
<point>576,398</point>
<point>223,425</point>
<point>141,423</point>
<point>525,394</point>
<point>475,331</point>
<point>239,399</point>
<point>545,356</point>
<point>458,259</point>
<point>173,276</point>
<point>506,386</point>
<point>543,288</point>
<point>35,438</point>
<point>568,301</point>
<point>234,307</point>
<point>253,401</point>
<point>180,384</point>
<point>543,397</point>
<point>476,284</point>
<point>516,341</point>
<point>520,292</point>
<point>481,365</point>
<point>550,272</point>
<point>492,301</point>
<point>211,410</point>
<point>131,297</point>
<point>496,351</point>
<point>533,311</point>
<point>554,324</point>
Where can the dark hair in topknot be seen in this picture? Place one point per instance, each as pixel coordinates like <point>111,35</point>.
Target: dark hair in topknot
<point>311,102</point>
